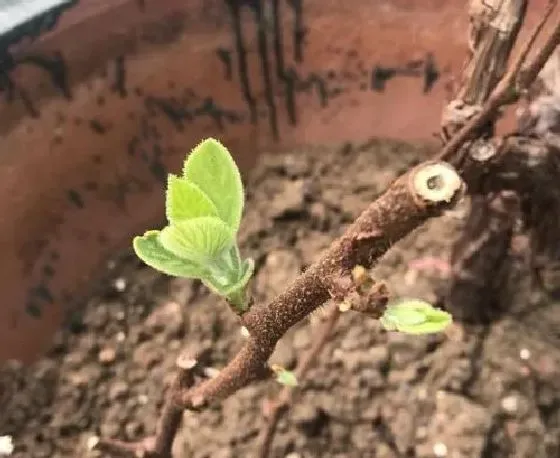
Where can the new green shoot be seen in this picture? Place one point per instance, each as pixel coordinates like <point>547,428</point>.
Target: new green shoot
<point>203,209</point>
<point>415,317</point>
<point>284,376</point>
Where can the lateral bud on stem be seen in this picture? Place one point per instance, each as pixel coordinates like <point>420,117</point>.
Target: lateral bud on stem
<point>365,294</point>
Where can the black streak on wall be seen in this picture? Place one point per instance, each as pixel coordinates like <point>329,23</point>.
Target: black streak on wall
<point>425,69</point>
<point>285,77</point>
<point>278,39</point>
<point>294,84</point>
<point>289,78</point>
<point>119,85</point>
<point>256,7</point>
<point>431,73</point>
<point>278,69</point>
<point>180,111</point>
<point>225,57</point>
<point>299,29</point>
<point>234,9</point>
<point>75,198</point>
<point>97,126</point>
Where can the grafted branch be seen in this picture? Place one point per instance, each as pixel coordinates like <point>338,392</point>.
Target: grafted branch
<point>423,192</point>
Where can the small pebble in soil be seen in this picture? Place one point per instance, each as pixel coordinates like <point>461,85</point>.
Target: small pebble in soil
<point>118,390</point>
<point>422,393</point>
<point>293,455</point>
<point>421,433</point>
<point>510,404</point>
<point>440,449</point>
<point>107,355</point>
<point>92,442</point>
<point>6,445</point>
<point>119,284</point>
<point>524,354</point>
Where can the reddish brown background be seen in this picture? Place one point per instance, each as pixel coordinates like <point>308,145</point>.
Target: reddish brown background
<point>81,170</point>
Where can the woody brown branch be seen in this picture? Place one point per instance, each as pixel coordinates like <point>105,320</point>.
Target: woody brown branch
<point>494,26</point>
<point>423,192</point>
<point>503,175</point>
<point>480,258</point>
<point>532,171</point>
<point>412,199</point>
<point>509,88</point>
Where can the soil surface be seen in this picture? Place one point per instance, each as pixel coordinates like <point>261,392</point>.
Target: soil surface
<point>485,391</point>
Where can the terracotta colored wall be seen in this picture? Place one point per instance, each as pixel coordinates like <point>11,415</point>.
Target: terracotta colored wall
<point>95,111</point>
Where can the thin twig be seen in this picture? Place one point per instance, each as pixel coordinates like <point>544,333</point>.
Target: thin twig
<point>170,418</point>
<point>532,70</point>
<point>526,49</point>
<point>282,403</point>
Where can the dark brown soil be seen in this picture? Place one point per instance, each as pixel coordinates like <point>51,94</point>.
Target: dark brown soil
<point>473,392</point>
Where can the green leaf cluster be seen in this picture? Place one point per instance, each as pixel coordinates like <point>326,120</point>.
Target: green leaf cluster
<point>203,207</point>
<point>415,317</point>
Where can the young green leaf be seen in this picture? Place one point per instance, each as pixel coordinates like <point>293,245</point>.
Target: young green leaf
<point>211,167</point>
<point>185,200</point>
<point>429,327</point>
<point>148,248</point>
<point>228,277</point>
<point>199,240</point>
<point>415,317</point>
<point>245,273</point>
<point>236,293</point>
<point>284,376</point>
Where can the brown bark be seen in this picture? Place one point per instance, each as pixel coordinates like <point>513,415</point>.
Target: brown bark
<point>510,181</point>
